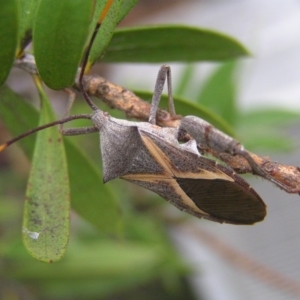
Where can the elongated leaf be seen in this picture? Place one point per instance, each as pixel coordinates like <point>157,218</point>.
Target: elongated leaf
<point>8,36</point>
<point>18,116</point>
<point>170,43</point>
<point>47,206</point>
<point>218,93</point>
<point>270,117</point>
<point>107,28</point>
<point>261,129</point>
<point>104,259</point>
<point>266,140</point>
<point>90,198</point>
<point>59,35</point>
<point>185,107</point>
<point>27,14</point>
<point>186,76</point>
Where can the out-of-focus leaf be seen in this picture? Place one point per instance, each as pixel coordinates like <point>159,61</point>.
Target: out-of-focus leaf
<point>263,129</point>
<point>91,199</point>
<point>218,93</point>
<point>267,139</point>
<point>168,43</point>
<point>184,80</point>
<point>47,206</point>
<point>18,117</point>
<point>96,265</point>
<point>8,36</point>
<point>102,259</point>
<point>59,34</point>
<point>269,116</point>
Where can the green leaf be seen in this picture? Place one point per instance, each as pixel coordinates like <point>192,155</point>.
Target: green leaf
<point>266,140</point>
<point>269,116</point>
<point>186,76</point>
<point>18,117</point>
<point>46,210</point>
<point>262,129</point>
<point>91,199</point>
<point>218,93</point>
<point>59,35</point>
<point>27,14</point>
<point>107,28</point>
<point>168,43</point>
<point>185,107</point>
<point>102,259</point>
<point>8,36</point>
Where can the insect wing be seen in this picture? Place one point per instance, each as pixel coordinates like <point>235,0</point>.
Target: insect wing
<point>196,184</point>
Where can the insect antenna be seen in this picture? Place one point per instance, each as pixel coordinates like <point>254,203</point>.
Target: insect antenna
<point>31,131</point>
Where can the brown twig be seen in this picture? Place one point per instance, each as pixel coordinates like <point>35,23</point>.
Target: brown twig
<point>134,107</point>
<point>122,99</point>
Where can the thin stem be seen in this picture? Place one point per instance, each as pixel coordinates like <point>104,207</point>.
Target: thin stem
<point>164,72</point>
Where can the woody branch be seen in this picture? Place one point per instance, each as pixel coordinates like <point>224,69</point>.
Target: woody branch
<point>133,106</point>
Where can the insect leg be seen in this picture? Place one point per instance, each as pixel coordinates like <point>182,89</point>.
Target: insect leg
<point>211,138</point>
<point>164,72</point>
<point>70,103</point>
<point>258,170</point>
<point>74,131</point>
